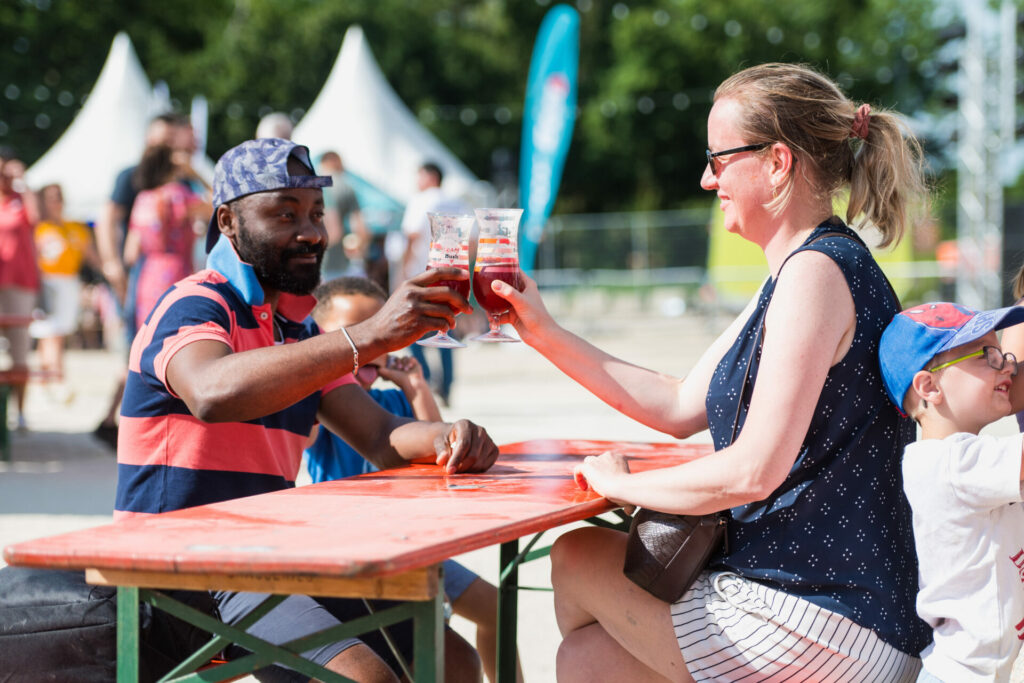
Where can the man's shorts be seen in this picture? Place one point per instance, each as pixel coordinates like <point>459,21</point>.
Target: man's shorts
<point>300,615</point>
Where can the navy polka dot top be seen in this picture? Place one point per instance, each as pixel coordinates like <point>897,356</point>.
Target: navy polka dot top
<point>837,532</point>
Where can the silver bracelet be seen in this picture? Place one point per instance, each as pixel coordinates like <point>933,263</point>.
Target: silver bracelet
<point>355,351</point>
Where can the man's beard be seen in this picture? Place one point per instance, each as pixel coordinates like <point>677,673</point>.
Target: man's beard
<point>271,266</point>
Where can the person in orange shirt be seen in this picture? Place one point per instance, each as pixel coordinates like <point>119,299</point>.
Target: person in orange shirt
<point>61,247</point>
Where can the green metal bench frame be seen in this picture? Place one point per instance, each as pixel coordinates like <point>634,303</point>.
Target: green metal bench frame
<point>428,639</point>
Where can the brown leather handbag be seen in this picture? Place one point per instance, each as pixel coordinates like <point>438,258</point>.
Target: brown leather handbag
<point>665,552</point>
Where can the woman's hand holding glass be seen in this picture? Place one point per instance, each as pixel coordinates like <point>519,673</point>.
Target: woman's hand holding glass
<point>526,311</point>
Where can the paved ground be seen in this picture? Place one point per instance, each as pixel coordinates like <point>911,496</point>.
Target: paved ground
<point>62,479</point>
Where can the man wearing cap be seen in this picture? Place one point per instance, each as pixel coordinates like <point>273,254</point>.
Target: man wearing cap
<point>227,377</point>
<point>942,365</point>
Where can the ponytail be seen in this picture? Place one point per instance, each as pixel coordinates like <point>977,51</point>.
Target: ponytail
<point>839,145</point>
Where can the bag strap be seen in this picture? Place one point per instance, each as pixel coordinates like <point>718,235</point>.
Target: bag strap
<point>746,377</point>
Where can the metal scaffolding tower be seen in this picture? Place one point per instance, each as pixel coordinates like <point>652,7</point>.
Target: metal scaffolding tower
<point>987,93</point>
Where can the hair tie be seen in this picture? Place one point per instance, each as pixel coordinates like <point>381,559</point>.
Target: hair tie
<point>860,122</point>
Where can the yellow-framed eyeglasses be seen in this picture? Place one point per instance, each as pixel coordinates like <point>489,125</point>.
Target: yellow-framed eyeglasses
<point>994,356</point>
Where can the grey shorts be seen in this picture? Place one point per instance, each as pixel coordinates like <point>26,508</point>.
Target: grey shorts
<point>299,616</point>
<point>19,302</point>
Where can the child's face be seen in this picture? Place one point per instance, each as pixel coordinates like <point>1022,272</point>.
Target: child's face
<point>349,309</point>
<point>975,394</point>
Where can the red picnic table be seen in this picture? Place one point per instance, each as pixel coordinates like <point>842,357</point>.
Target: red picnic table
<point>379,535</point>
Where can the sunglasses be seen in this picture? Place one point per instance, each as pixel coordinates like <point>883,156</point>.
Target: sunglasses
<point>995,358</point>
<point>715,168</point>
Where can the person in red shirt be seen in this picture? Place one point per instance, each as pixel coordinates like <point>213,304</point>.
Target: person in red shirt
<point>19,274</point>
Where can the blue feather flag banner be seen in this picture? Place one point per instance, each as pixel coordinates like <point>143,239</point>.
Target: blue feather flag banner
<point>549,113</point>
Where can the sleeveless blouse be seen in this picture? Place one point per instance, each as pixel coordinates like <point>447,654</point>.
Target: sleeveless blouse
<point>837,532</point>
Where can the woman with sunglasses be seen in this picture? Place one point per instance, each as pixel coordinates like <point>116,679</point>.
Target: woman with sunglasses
<point>819,576</point>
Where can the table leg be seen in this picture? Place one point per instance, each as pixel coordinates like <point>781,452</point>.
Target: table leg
<point>127,634</point>
<point>428,636</point>
<point>508,611</point>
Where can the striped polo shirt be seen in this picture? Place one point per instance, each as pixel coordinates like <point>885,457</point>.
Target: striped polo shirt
<point>167,458</point>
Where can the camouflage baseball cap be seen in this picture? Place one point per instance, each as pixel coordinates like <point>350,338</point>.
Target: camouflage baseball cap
<point>258,166</point>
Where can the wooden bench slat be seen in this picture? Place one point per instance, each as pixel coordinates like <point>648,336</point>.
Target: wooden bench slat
<point>418,584</point>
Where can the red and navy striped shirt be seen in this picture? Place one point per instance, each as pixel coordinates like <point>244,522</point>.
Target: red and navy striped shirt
<point>167,458</point>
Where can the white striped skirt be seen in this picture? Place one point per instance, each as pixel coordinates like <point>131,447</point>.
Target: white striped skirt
<point>732,629</point>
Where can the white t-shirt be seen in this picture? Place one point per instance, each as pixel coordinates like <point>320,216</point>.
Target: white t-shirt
<point>415,222</point>
<point>965,493</point>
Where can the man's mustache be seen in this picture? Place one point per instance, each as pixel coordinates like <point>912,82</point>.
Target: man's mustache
<point>317,249</point>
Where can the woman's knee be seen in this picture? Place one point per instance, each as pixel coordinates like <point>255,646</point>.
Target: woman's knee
<point>571,660</point>
<point>583,551</point>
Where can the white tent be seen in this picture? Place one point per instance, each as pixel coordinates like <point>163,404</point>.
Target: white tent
<point>106,136</point>
<point>358,115</point>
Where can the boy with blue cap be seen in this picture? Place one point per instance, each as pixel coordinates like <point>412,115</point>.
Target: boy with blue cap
<point>942,365</point>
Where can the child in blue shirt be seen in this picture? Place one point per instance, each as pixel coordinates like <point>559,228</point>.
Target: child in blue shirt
<point>346,301</point>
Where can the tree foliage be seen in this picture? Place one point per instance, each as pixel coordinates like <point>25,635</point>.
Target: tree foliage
<point>648,70</point>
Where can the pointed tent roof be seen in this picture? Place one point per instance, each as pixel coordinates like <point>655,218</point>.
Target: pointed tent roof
<point>105,137</point>
<point>358,115</point>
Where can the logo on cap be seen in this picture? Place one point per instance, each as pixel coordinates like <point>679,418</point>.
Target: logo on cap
<point>941,315</point>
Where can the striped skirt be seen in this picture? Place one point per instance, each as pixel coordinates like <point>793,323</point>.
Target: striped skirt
<point>731,629</point>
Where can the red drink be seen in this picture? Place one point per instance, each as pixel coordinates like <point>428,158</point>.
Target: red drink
<point>460,286</point>
<point>482,279</point>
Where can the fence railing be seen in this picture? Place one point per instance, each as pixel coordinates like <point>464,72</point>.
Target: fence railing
<point>636,240</point>
<point>650,237</point>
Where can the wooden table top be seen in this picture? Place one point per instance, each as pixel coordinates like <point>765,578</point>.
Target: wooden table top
<point>373,525</point>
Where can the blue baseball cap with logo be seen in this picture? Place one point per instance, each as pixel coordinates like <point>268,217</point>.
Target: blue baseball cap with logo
<point>918,334</point>
<point>258,166</point>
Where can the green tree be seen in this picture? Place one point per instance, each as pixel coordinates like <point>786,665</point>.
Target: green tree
<point>644,117</point>
<point>648,69</point>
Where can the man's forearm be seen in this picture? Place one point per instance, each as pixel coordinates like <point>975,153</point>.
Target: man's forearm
<point>236,387</point>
